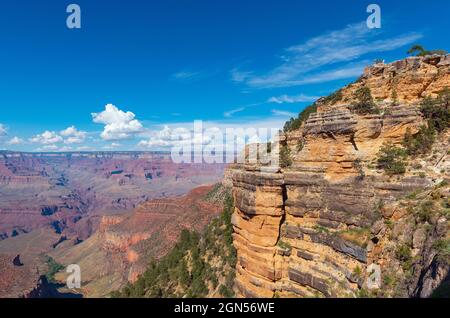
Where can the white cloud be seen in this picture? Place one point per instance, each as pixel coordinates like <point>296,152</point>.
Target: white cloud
<point>185,75</point>
<point>113,145</point>
<point>47,138</point>
<point>234,111</point>
<point>182,133</point>
<point>3,130</point>
<point>300,63</point>
<point>73,136</point>
<point>284,113</point>
<point>65,149</point>
<point>239,76</point>
<point>68,136</point>
<point>166,137</point>
<point>230,113</point>
<point>119,125</point>
<point>292,99</point>
<point>15,141</point>
<point>84,148</point>
<point>48,148</point>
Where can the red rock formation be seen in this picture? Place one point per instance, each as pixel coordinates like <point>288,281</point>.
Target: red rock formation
<point>121,249</point>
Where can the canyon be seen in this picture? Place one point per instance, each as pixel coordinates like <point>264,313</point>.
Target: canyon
<point>120,250</point>
<point>358,206</point>
<point>51,203</point>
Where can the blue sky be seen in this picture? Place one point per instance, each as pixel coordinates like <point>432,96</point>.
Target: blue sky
<point>163,64</point>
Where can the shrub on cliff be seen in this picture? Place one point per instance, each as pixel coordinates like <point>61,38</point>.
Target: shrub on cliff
<point>333,98</point>
<point>442,247</point>
<point>420,143</point>
<point>285,157</point>
<point>444,96</point>
<point>418,50</point>
<point>403,254</point>
<point>437,113</point>
<point>392,160</point>
<point>364,103</point>
<point>296,123</point>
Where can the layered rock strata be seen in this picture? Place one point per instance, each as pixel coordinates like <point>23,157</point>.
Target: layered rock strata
<point>313,229</point>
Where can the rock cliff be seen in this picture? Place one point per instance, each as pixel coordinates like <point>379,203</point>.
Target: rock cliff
<point>331,224</point>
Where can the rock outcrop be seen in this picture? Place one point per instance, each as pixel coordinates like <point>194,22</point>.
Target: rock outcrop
<point>325,224</point>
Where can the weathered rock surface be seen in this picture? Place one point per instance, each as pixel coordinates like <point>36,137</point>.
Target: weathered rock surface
<point>313,229</point>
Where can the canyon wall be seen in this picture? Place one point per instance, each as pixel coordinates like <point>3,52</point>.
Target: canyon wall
<point>323,225</point>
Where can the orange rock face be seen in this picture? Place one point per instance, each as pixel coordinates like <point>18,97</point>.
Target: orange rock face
<point>308,230</point>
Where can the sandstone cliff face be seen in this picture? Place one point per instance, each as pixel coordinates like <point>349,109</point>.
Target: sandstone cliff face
<point>319,228</point>
<point>412,79</point>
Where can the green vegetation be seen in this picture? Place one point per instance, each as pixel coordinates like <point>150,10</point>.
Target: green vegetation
<point>357,271</point>
<point>300,145</point>
<point>198,265</point>
<point>333,98</point>
<point>296,123</point>
<point>426,211</point>
<point>403,254</point>
<point>53,268</point>
<point>389,280</point>
<point>285,156</point>
<point>394,97</point>
<point>321,229</point>
<point>269,147</point>
<point>284,245</point>
<point>418,50</point>
<point>364,293</point>
<point>358,166</point>
<point>420,143</point>
<point>437,113</point>
<point>358,236</point>
<point>392,159</point>
<point>412,195</point>
<point>217,194</point>
<point>364,102</point>
<point>442,247</point>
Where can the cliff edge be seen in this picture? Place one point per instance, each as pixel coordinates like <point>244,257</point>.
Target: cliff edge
<point>359,205</point>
